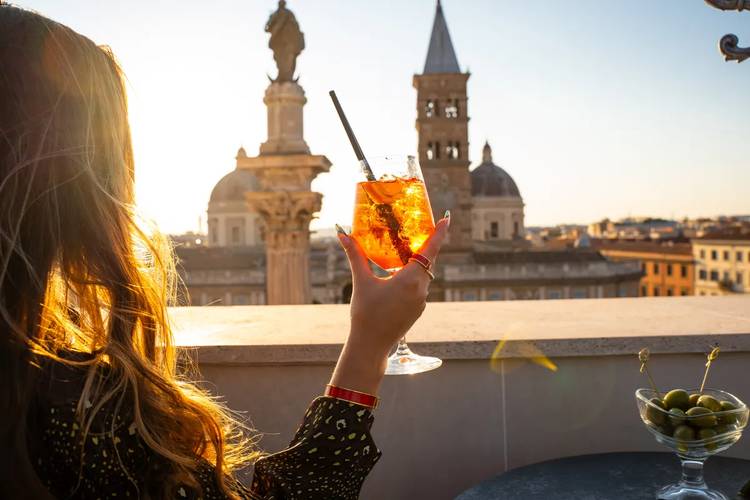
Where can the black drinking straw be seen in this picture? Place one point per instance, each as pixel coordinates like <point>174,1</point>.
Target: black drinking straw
<point>352,138</point>
<point>384,210</point>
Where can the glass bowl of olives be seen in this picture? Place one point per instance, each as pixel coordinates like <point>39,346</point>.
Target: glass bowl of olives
<point>695,425</point>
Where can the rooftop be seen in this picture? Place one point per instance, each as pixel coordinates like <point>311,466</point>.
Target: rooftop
<point>645,247</point>
<point>512,373</point>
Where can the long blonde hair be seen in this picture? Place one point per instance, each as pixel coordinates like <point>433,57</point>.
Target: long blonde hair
<point>78,272</point>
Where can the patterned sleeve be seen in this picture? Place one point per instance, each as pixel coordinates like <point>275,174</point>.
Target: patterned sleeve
<point>329,457</point>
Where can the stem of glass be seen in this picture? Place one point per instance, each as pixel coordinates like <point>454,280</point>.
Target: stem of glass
<point>402,349</point>
<point>692,473</point>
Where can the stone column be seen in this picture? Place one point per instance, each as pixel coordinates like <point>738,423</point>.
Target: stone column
<point>286,216</point>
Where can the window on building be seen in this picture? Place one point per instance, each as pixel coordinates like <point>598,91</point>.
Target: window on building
<point>702,274</point>
<point>703,254</point>
<point>714,275</point>
<point>554,294</point>
<point>655,267</point>
<point>494,230</point>
<point>726,254</point>
<point>644,291</point>
<point>516,230</point>
<point>670,292</point>
<point>495,295</point>
<point>714,255</point>
<point>240,299</point>
<point>684,292</point>
<point>579,293</point>
<point>643,268</point>
<point>235,235</point>
<point>738,256</point>
<point>430,108</point>
<point>451,110</point>
<point>683,271</point>
<point>452,151</point>
<point>657,291</point>
<point>725,277</point>
<point>469,296</point>
<point>669,269</point>
<point>739,278</point>
<point>433,150</point>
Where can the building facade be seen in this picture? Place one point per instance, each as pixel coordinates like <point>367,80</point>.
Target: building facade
<point>722,264</point>
<point>668,269</point>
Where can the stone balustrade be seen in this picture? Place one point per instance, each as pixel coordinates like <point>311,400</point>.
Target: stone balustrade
<point>522,381</point>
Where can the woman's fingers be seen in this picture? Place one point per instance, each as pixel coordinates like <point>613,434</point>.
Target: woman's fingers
<point>413,275</point>
<point>357,259</point>
<point>431,247</point>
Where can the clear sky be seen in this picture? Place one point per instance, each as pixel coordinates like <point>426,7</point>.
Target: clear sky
<point>595,108</point>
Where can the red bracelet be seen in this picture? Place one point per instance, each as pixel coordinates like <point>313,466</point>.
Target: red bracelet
<point>356,397</point>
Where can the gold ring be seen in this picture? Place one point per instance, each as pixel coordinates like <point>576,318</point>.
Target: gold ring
<point>423,266</point>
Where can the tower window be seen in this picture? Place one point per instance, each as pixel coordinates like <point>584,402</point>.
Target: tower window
<point>516,231</point>
<point>235,235</point>
<point>452,151</point>
<point>430,108</point>
<point>451,110</point>
<point>494,230</point>
<point>433,150</point>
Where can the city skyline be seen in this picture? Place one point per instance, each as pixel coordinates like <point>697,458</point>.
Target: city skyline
<point>628,110</point>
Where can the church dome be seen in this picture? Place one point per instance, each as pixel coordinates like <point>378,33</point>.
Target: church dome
<point>234,185</point>
<point>490,180</point>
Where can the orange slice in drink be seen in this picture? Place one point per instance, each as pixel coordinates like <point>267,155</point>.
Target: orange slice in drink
<point>384,191</point>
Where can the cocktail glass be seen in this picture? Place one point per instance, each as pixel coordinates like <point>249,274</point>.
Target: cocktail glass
<point>392,219</point>
<point>693,453</point>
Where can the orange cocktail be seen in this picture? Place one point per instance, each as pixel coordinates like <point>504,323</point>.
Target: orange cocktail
<point>392,219</point>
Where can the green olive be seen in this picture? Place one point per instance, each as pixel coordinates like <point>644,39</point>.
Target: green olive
<point>684,433</point>
<point>727,419</point>
<point>723,429</point>
<point>676,416</point>
<point>657,415</point>
<point>704,417</point>
<point>709,402</point>
<point>708,434</point>
<point>693,399</point>
<point>677,398</point>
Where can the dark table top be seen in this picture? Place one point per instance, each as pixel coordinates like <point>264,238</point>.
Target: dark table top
<point>621,476</point>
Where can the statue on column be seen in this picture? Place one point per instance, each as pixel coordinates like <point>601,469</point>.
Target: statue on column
<point>287,41</point>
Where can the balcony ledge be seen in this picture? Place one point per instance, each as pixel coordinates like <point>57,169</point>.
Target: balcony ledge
<point>313,334</point>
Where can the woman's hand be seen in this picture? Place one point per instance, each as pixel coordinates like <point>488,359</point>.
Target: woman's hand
<point>382,311</point>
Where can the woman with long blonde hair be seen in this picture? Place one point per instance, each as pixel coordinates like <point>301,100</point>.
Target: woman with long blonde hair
<point>93,399</point>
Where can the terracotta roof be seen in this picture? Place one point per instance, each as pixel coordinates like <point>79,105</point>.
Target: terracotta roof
<point>538,256</point>
<point>725,237</point>
<point>643,247</point>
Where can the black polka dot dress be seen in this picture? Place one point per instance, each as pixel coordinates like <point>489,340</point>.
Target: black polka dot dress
<point>331,453</point>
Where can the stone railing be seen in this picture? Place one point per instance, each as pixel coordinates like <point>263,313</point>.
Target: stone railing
<point>522,382</point>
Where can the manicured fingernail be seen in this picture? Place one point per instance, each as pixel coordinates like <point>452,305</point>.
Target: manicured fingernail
<point>341,232</point>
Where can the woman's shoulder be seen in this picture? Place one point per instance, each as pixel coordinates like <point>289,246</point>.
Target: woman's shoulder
<point>62,381</point>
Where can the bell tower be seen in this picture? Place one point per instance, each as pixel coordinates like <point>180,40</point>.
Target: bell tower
<point>443,135</point>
